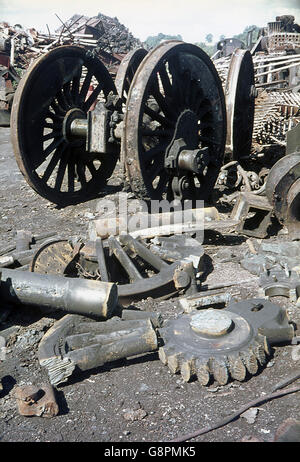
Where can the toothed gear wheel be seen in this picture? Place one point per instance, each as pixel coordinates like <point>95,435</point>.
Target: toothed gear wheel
<point>212,344</point>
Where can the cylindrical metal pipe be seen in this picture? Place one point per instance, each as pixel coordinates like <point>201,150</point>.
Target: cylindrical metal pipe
<point>82,296</point>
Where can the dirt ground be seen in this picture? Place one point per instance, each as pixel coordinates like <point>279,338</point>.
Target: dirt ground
<point>93,405</point>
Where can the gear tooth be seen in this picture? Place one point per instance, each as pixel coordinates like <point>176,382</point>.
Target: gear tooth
<point>263,341</point>
<point>250,361</point>
<point>266,346</point>
<point>162,355</point>
<point>187,369</point>
<point>259,352</point>
<point>219,370</point>
<point>173,363</point>
<point>202,371</point>
<point>236,367</point>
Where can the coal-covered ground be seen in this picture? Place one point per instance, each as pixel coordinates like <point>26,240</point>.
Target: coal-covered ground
<point>93,405</point>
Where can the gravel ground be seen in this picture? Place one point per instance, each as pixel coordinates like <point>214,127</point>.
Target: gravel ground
<point>94,406</point>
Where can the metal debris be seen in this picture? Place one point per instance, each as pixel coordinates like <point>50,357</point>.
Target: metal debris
<point>73,344</point>
<point>280,283</point>
<point>126,261</point>
<point>254,214</point>
<point>204,299</point>
<point>92,298</point>
<point>223,344</point>
<point>37,401</point>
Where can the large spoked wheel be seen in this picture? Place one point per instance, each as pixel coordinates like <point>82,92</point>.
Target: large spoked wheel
<point>174,83</point>
<point>59,87</point>
<point>240,103</point>
<point>126,71</point>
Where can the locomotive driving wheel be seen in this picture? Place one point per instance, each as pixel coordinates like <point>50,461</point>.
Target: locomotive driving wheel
<point>174,124</point>
<point>58,88</point>
<point>126,71</point>
<point>240,104</point>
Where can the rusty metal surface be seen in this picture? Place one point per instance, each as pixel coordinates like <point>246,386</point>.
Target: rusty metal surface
<point>126,71</point>
<point>36,401</point>
<point>187,80</point>
<point>231,348</point>
<point>283,191</point>
<point>73,344</point>
<point>254,213</point>
<point>55,257</point>
<point>51,94</point>
<point>222,344</point>
<point>137,271</point>
<point>240,102</point>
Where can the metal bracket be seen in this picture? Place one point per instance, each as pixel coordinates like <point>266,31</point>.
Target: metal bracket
<point>258,224</point>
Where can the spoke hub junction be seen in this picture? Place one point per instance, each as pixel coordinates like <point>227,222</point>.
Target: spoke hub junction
<point>74,126</point>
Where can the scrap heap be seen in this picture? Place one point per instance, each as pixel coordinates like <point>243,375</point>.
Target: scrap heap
<point>106,36</point>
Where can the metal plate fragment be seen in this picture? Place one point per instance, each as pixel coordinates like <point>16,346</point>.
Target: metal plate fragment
<point>36,401</point>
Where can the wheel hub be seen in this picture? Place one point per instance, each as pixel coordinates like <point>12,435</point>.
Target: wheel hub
<point>211,323</point>
<point>74,126</point>
<point>183,152</point>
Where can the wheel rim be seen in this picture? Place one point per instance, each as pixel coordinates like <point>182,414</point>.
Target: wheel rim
<point>56,85</point>
<point>172,78</point>
<point>240,103</point>
<point>126,71</point>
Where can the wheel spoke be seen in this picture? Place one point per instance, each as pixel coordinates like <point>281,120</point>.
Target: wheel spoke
<point>92,98</point>
<point>75,86</point>
<point>80,168</point>
<point>61,170</point>
<point>85,86</point>
<point>62,101</point>
<point>165,81</point>
<point>91,168</point>
<point>159,118</point>
<point>156,133</point>
<point>161,101</point>
<point>54,117</point>
<point>57,108</point>
<point>67,93</point>
<point>155,169</point>
<point>71,175</point>
<point>52,126</point>
<point>51,135</point>
<point>51,166</point>
<point>162,183</point>
<point>177,83</point>
<point>152,153</point>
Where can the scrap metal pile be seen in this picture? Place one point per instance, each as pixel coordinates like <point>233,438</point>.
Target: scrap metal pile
<point>181,128</point>
<point>19,47</point>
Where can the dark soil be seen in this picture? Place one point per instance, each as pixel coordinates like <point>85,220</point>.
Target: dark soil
<point>92,405</point>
